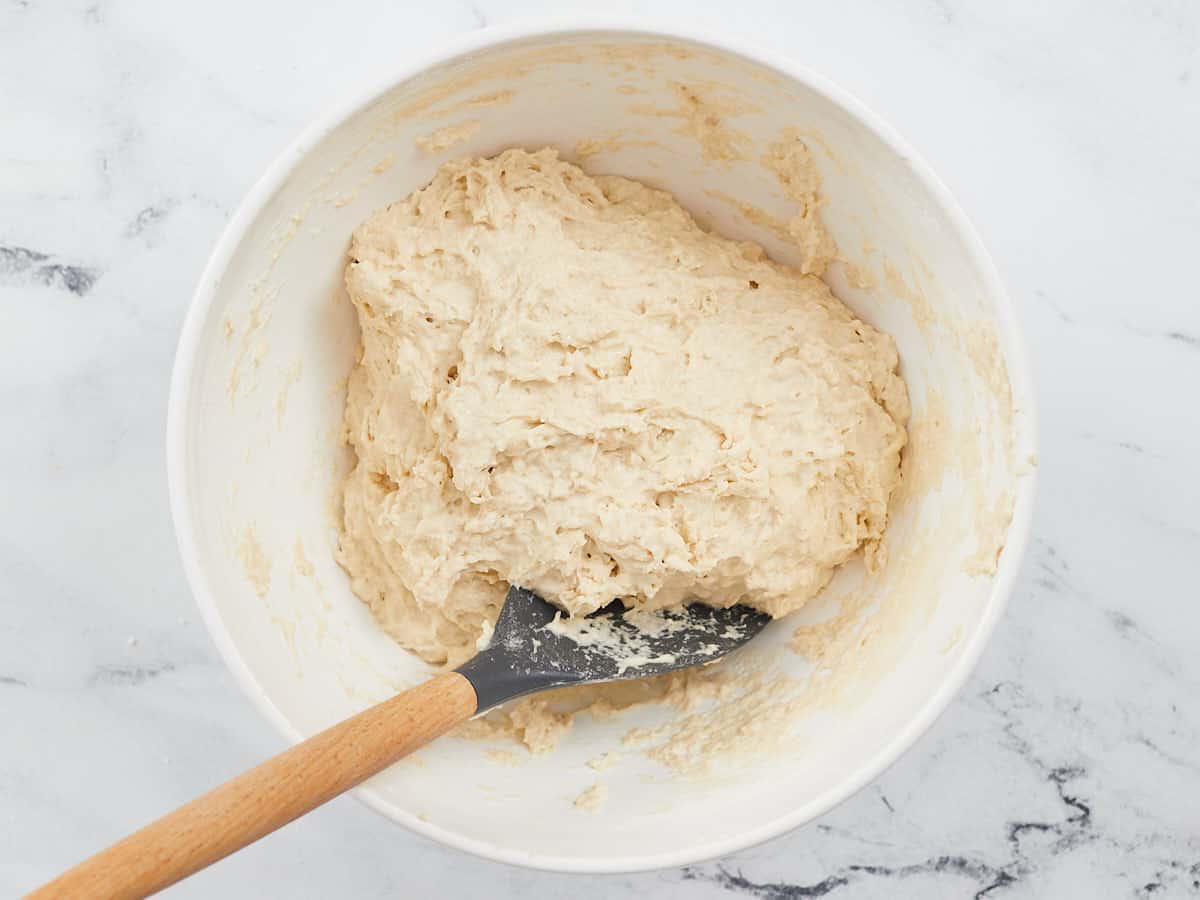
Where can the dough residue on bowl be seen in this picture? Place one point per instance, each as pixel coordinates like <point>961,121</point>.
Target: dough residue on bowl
<point>565,383</point>
<point>444,138</point>
<point>593,798</point>
<point>255,563</point>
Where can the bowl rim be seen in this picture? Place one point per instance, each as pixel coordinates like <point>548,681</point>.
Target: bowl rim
<point>274,177</point>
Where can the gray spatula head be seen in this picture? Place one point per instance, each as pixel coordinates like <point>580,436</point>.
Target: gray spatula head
<point>534,647</point>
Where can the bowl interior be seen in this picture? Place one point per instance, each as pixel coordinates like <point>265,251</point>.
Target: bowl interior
<point>841,688</point>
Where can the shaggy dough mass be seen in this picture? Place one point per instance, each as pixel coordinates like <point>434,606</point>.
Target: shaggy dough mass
<point>567,384</point>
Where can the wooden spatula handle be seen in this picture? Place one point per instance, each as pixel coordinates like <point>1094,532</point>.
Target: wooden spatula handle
<point>269,796</point>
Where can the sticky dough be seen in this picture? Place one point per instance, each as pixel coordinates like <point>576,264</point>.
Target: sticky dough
<point>567,384</point>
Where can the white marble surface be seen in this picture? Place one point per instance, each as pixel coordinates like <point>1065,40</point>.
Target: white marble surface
<point>1070,131</point>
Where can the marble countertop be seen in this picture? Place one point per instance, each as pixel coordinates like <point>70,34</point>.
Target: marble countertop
<point>1070,132</point>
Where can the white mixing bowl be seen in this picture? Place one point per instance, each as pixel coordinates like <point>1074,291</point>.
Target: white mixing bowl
<point>258,393</point>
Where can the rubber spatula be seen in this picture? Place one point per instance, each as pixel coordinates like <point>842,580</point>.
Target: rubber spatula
<point>532,649</point>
